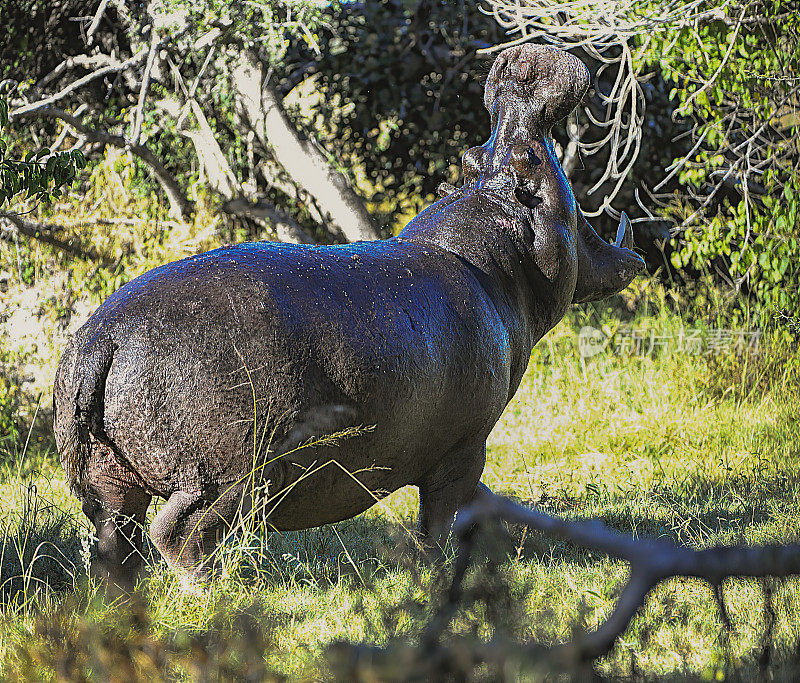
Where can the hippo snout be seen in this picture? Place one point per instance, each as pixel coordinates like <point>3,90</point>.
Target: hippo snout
<point>553,82</point>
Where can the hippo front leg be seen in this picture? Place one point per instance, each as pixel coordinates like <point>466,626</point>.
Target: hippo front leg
<point>450,485</point>
<point>189,527</point>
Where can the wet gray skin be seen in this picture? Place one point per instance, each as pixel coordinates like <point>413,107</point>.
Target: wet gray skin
<point>170,386</point>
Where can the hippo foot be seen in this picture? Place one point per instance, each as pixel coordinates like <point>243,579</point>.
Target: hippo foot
<point>188,529</point>
<point>443,491</point>
<point>117,511</point>
<point>116,584</point>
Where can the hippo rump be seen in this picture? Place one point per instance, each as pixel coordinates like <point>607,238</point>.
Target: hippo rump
<point>205,377</point>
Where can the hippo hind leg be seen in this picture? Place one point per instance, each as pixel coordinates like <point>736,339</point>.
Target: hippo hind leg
<point>117,507</point>
<point>454,482</point>
<point>189,527</point>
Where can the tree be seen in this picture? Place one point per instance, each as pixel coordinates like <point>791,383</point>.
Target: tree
<point>731,196</point>
<point>197,72</point>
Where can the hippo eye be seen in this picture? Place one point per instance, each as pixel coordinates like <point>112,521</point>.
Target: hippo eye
<point>527,198</point>
<point>532,158</point>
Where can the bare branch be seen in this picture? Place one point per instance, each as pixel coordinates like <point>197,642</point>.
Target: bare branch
<point>151,58</point>
<point>67,129</point>
<point>85,61</point>
<point>606,33</point>
<point>96,22</point>
<point>224,181</point>
<point>180,206</point>
<point>45,233</point>
<point>41,105</point>
<point>651,560</point>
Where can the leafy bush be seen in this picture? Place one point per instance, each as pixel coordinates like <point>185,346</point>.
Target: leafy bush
<point>40,174</point>
<point>734,77</point>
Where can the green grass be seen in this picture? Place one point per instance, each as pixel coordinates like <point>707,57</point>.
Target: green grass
<point>702,450</point>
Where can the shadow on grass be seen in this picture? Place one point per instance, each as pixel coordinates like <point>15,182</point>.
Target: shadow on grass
<point>41,552</point>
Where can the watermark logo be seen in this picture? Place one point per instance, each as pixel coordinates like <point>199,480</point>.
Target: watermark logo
<point>691,342</point>
<point>591,341</point>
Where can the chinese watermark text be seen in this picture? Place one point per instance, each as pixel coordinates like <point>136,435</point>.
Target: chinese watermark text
<point>692,341</point>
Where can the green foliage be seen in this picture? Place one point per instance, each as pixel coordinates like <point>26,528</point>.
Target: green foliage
<point>403,89</point>
<point>9,406</point>
<point>734,76</point>
<point>273,24</point>
<point>40,174</point>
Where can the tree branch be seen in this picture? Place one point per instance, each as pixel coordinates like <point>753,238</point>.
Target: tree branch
<point>41,105</point>
<point>44,233</point>
<point>180,206</point>
<point>225,183</point>
<point>96,22</point>
<point>151,58</point>
<point>261,105</point>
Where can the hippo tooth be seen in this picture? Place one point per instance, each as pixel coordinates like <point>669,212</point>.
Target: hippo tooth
<point>624,233</point>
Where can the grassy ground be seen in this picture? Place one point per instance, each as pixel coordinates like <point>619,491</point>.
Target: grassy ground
<point>699,449</point>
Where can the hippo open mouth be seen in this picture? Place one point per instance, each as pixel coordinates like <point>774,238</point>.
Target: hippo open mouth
<point>528,90</point>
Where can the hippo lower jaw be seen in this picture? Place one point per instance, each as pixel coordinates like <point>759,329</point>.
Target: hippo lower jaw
<point>605,268</point>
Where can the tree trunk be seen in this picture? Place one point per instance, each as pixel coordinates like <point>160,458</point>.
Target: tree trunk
<point>223,181</point>
<point>305,164</point>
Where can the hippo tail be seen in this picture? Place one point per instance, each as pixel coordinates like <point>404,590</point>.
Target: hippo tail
<point>78,404</point>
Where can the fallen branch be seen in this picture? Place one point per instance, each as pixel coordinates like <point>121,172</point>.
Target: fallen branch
<point>651,560</point>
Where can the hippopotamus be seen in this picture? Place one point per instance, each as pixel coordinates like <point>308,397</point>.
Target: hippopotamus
<point>208,377</point>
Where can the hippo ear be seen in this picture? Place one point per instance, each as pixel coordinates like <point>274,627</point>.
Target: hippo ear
<point>553,81</point>
<point>603,268</point>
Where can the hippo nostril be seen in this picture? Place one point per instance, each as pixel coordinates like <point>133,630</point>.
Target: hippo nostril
<point>527,198</point>
<point>523,71</point>
<point>532,158</point>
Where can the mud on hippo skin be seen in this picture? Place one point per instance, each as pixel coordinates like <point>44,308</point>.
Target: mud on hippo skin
<point>177,380</point>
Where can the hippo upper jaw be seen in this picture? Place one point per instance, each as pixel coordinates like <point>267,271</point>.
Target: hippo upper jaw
<point>548,83</point>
